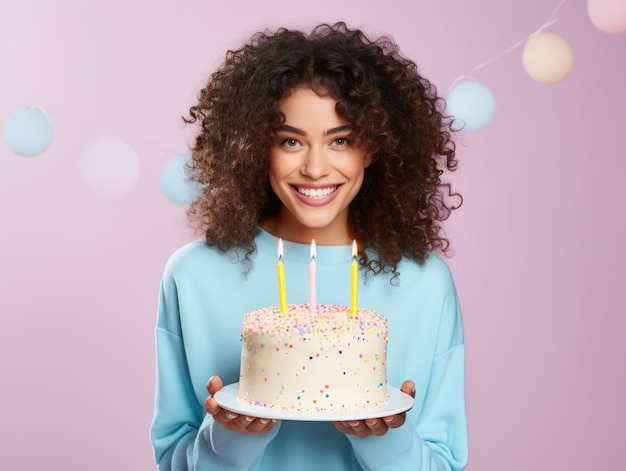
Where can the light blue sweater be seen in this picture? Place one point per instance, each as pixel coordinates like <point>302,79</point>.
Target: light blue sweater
<point>204,295</point>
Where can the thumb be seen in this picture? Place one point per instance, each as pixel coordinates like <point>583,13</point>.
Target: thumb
<point>409,388</point>
<point>214,384</point>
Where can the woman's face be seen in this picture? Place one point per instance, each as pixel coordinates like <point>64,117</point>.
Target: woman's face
<point>315,170</point>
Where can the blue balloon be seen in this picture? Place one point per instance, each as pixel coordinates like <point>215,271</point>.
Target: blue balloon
<point>472,104</point>
<point>175,184</point>
<point>28,131</point>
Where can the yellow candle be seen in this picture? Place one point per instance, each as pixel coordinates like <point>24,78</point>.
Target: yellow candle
<point>282,290</point>
<point>355,281</point>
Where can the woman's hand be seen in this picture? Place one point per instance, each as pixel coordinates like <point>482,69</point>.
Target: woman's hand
<point>365,428</point>
<point>231,420</point>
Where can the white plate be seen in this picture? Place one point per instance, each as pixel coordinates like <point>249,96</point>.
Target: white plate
<point>227,399</point>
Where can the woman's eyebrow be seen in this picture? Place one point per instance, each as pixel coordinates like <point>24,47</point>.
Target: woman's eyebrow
<point>286,127</point>
<point>345,127</point>
<point>302,132</point>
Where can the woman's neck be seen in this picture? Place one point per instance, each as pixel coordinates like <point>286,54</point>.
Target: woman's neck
<point>288,228</point>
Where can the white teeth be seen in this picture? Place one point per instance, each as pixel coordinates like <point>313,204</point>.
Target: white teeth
<point>317,193</point>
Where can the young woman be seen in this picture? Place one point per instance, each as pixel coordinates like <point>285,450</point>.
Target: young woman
<point>331,136</point>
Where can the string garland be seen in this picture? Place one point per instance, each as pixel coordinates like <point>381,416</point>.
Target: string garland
<point>547,58</point>
<point>549,22</point>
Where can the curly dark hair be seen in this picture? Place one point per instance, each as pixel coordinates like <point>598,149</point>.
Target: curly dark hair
<point>391,108</point>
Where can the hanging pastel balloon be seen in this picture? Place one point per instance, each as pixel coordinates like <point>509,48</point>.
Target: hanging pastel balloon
<point>109,167</point>
<point>608,16</point>
<point>472,104</point>
<point>175,183</point>
<point>548,58</point>
<point>28,131</point>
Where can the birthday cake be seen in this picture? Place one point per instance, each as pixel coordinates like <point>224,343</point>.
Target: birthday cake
<point>329,361</point>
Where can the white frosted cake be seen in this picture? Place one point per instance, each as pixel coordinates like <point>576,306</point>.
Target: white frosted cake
<point>324,362</point>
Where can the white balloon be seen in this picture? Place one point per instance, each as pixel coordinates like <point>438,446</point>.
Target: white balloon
<point>608,16</point>
<point>109,167</point>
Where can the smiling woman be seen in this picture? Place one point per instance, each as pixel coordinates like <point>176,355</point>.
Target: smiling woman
<point>393,112</point>
<point>330,136</point>
<point>315,170</point>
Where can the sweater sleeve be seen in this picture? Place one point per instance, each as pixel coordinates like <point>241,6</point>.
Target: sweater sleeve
<point>184,437</point>
<point>436,440</point>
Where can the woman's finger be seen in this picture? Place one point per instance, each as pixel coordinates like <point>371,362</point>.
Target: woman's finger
<point>211,405</point>
<point>260,425</point>
<point>214,384</point>
<point>409,388</point>
<point>395,421</point>
<point>377,426</point>
<point>359,428</point>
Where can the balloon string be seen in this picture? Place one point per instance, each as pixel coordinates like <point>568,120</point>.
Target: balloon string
<point>549,22</point>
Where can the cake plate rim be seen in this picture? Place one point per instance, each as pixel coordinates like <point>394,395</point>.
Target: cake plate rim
<point>399,402</point>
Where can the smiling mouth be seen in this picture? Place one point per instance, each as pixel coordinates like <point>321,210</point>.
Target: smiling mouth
<point>317,193</point>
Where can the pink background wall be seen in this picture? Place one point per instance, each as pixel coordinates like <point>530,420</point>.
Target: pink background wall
<point>538,243</point>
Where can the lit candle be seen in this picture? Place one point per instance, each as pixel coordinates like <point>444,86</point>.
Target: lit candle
<point>355,281</point>
<point>313,279</point>
<point>282,290</point>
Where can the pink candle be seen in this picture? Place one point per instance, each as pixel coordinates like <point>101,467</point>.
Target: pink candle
<point>313,279</point>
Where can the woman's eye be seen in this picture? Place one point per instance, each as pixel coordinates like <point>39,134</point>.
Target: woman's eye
<point>291,142</point>
<point>341,141</point>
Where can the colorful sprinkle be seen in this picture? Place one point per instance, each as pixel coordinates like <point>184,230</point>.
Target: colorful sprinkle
<point>342,334</point>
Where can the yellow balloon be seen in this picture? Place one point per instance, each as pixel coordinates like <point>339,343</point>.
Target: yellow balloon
<point>548,58</point>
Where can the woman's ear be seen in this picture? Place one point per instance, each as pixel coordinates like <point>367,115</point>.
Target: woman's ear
<point>368,160</point>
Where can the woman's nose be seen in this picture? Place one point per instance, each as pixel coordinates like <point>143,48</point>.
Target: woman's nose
<point>316,164</point>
